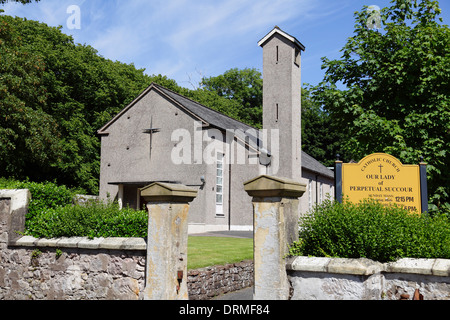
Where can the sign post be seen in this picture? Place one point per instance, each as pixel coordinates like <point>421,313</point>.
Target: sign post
<point>383,178</point>
<point>338,179</point>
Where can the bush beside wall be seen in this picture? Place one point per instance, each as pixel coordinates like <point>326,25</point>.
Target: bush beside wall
<point>52,214</point>
<point>92,220</point>
<point>371,230</point>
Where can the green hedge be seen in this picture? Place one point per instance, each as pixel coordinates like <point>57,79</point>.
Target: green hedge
<point>370,230</point>
<point>95,219</point>
<point>52,214</point>
<point>44,195</point>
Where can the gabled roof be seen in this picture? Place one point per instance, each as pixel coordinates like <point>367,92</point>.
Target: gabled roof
<point>207,116</point>
<point>210,117</point>
<point>277,30</point>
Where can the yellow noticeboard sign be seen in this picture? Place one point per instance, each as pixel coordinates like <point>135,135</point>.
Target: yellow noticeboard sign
<point>383,178</point>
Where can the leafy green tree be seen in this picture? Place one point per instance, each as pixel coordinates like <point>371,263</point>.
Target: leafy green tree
<point>321,137</point>
<point>243,86</point>
<point>397,97</point>
<point>28,136</point>
<point>55,96</point>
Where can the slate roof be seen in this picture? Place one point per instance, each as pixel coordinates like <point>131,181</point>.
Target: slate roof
<point>312,164</point>
<point>209,115</point>
<point>216,119</point>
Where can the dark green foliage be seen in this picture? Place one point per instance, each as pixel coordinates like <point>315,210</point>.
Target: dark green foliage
<point>370,230</point>
<point>46,195</point>
<point>51,214</point>
<point>54,96</point>
<point>91,220</point>
<point>322,138</point>
<point>242,86</point>
<point>27,133</point>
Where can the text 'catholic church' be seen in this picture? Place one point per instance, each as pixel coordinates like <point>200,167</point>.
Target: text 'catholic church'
<point>163,136</point>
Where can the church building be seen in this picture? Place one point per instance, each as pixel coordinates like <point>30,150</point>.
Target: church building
<point>166,137</point>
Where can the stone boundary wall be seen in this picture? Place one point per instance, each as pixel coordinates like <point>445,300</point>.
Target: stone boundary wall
<point>83,268</point>
<point>316,278</point>
<point>98,269</point>
<point>206,283</point>
<point>73,269</point>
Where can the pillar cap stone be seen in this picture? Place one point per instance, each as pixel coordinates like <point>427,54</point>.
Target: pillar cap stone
<point>159,191</point>
<point>270,186</point>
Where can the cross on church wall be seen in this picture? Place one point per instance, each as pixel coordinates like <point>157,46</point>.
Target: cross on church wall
<point>151,131</point>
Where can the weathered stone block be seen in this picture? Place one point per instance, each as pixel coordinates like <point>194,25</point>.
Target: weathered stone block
<point>409,265</point>
<point>441,267</point>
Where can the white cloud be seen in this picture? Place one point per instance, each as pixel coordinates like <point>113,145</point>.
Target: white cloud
<point>202,35</point>
<point>182,38</point>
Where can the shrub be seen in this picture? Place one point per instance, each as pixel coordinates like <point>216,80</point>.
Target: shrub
<point>95,219</point>
<point>51,214</point>
<point>44,195</point>
<point>371,230</point>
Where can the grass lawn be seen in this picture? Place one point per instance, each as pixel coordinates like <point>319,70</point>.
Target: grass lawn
<point>209,251</point>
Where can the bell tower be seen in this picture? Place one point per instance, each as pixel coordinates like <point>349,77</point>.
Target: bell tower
<point>282,101</point>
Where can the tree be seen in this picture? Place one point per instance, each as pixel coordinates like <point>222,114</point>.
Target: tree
<point>243,86</point>
<point>321,137</point>
<point>54,96</point>
<point>27,134</point>
<point>397,97</point>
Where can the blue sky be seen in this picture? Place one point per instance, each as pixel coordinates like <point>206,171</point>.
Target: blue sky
<point>188,39</point>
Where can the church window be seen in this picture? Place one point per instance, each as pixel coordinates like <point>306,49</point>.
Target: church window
<point>320,192</point>
<point>310,194</point>
<point>219,184</point>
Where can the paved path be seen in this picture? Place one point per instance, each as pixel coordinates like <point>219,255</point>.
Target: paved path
<point>243,294</point>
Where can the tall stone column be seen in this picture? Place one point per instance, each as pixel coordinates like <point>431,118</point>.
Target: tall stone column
<point>166,272</point>
<point>275,226</point>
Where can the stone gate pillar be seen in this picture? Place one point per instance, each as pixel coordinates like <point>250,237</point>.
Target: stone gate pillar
<point>275,226</point>
<point>166,269</point>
